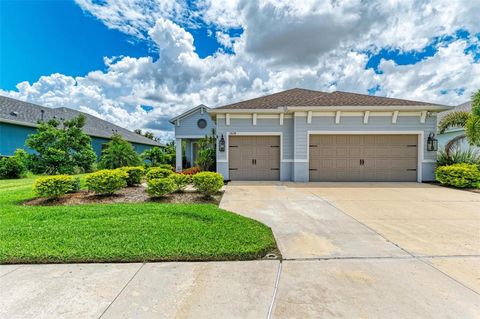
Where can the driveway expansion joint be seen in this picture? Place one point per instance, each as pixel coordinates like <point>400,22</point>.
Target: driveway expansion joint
<point>275,289</point>
<point>121,290</point>
<point>9,272</point>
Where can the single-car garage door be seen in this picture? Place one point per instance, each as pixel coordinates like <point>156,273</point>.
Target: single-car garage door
<point>363,158</point>
<point>254,158</point>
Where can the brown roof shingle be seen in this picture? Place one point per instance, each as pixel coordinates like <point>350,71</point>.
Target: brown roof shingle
<point>303,97</point>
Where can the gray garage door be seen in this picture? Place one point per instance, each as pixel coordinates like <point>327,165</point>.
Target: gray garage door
<point>254,158</point>
<point>363,158</point>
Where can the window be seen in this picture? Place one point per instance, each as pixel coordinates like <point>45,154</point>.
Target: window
<point>201,123</point>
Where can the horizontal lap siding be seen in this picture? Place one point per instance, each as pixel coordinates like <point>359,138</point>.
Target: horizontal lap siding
<point>188,125</point>
<point>13,137</point>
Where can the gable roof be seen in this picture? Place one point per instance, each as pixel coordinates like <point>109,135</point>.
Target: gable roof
<point>187,113</point>
<point>29,114</point>
<point>467,107</point>
<point>308,98</point>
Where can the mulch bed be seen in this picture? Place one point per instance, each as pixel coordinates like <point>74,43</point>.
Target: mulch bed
<point>126,195</point>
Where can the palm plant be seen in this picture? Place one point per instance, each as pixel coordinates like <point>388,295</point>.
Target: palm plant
<point>467,120</point>
<point>118,153</point>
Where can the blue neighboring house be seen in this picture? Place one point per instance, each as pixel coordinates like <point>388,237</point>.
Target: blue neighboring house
<point>453,132</point>
<point>19,119</point>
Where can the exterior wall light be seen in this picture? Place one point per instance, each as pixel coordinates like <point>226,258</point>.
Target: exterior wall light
<point>432,143</point>
<point>221,144</point>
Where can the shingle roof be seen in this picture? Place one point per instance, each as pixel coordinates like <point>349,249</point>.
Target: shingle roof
<point>29,114</point>
<point>467,106</point>
<point>310,98</point>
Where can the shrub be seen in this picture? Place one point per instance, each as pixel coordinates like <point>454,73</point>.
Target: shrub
<point>157,172</point>
<point>75,185</point>
<point>159,187</point>
<point>166,166</point>
<point>106,182</point>
<point>53,186</point>
<point>135,174</point>
<point>208,183</point>
<point>118,153</point>
<point>12,167</point>
<point>181,181</point>
<point>459,175</point>
<point>458,156</point>
<point>191,171</point>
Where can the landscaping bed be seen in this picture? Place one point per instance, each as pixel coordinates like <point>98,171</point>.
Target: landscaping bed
<point>123,232</point>
<point>136,194</point>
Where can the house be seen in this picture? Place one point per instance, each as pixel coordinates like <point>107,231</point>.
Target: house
<point>19,119</point>
<point>304,135</point>
<point>454,132</point>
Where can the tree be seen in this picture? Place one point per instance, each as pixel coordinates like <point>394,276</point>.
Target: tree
<point>62,147</point>
<point>147,134</point>
<point>467,120</point>
<point>118,153</point>
<point>155,156</point>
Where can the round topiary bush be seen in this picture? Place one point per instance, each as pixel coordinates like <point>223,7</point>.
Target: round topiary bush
<point>459,175</point>
<point>159,187</point>
<point>54,186</point>
<point>135,174</point>
<point>157,172</point>
<point>181,181</point>
<point>208,183</point>
<point>106,182</point>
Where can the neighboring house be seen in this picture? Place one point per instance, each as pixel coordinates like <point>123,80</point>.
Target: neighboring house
<point>303,135</point>
<point>191,126</point>
<point>19,119</point>
<point>451,133</point>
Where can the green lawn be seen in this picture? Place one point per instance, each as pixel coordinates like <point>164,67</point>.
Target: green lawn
<point>122,232</point>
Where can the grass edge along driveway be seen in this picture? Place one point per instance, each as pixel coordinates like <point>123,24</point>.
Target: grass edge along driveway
<point>123,232</point>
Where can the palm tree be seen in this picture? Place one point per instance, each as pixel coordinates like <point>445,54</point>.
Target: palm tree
<point>467,120</point>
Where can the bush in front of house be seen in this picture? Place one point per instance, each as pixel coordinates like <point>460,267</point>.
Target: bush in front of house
<point>181,181</point>
<point>166,166</point>
<point>106,182</point>
<point>459,175</point>
<point>12,167</point>
<point>54,186</point>
<point>208,183</point>
<point>191,171</point>
<point>157,172</point>
<point>159,187</point>
<point>135,174</point>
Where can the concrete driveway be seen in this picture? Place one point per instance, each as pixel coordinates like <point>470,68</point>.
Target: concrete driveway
<point>350,251</point>
<point>370,250</point>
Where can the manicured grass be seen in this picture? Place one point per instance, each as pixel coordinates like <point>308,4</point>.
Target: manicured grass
<point>123,232</point>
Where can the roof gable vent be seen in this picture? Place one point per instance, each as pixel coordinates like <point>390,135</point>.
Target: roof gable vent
<point>14,113</point>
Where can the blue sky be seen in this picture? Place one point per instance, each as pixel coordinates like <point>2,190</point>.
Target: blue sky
<point>240,49</point>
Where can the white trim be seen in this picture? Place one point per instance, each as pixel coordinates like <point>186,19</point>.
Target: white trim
<point>423,117</point>
<point>177,122</point>
<point>324,114</point>
<point>420,146</point>
<point>287,161</point>
<point>187,113</point>
<point>309,117</point>
<point>300,114</point>
<point>201,110</point>
<point>281,118</point>
<point>254,119</point>
<point>227,143</point>
<point>365,117</point>
<point>394,117</point>
<point>337,117</point>
<point>429,161</point>
<point>375,113</point>
<point>227,119</point>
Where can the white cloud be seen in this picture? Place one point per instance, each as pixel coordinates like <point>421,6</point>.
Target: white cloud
<point>312,44</point>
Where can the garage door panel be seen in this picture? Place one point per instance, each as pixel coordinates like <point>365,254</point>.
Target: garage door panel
<point>363,158</point>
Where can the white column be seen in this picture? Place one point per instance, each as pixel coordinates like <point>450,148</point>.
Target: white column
<point>178,154</point>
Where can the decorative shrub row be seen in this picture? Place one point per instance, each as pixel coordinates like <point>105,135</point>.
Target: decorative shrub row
<point>135,174</point>
<point>158,172</point>
<point>459,175</point>
<point>56,186</point>
<point>106,181</point>
<point>207,183</point>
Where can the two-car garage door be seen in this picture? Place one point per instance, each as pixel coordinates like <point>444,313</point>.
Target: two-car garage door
<point>363,158</point>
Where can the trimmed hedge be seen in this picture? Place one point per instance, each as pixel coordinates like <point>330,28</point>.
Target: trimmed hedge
<point>12,167</point>
<point>181,181</point>
<point>135,174</point>
<point>459,175</point>
<point>159,187</point>
<point>208,183</point>
<point>106,182</point>
<point>157,172</point>
<point>54,186</point>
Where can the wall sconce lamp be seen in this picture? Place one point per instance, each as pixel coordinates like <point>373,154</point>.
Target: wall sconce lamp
<point>432,143</point>
<point>221,144</point>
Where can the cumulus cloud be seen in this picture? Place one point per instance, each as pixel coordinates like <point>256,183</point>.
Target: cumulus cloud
<point>323,45</point>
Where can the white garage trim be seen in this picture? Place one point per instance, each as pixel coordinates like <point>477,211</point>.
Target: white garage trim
<point>420,147</point>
